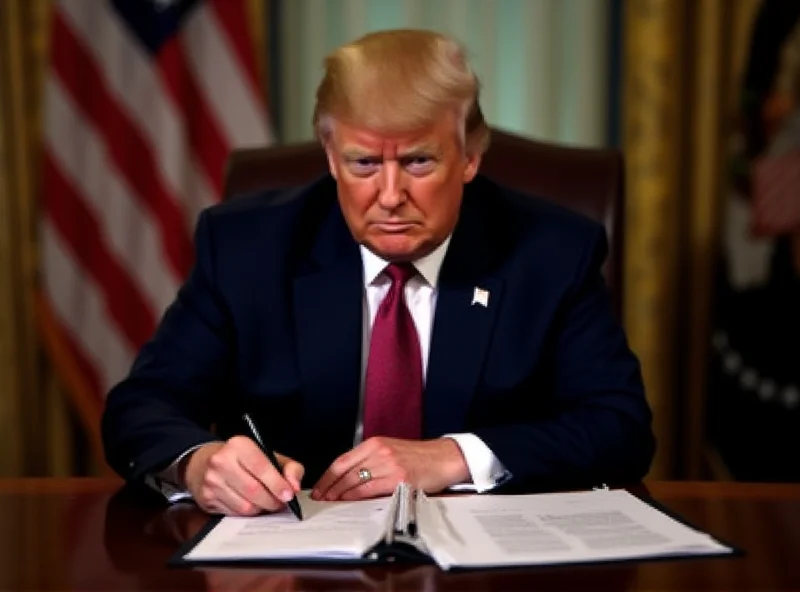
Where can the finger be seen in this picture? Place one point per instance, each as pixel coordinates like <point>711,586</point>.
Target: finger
<point>293,471</point>
<point>351,479</point>
<point>235,504</point>
<point>252,490</point>
<point>223,509</point>
<point>258,465</point>
<point>369,489</point>
<point>216,506</point>
<point>340,467</point>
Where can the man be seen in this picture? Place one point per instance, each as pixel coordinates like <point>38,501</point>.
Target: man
<point>401,319</point>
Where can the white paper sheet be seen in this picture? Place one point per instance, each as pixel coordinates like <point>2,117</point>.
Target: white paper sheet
<point>328,530</point>
<point>478,531</point>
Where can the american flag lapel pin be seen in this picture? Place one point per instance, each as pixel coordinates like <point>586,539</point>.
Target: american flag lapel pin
<point>480,296</point>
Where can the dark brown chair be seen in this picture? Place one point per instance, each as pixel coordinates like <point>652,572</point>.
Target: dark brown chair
<point>588,180</point>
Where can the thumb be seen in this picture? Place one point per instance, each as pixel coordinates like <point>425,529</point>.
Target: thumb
<point>293,472</point>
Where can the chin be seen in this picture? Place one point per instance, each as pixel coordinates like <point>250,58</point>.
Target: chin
<point>395,248</point>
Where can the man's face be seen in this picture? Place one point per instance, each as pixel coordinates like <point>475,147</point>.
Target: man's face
<point>400,194</point>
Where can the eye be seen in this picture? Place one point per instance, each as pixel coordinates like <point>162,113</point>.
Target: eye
<point>363,166</point>
<point>419,164</point>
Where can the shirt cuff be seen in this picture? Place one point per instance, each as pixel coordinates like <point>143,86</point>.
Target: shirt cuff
<point>168,482</point>
<point>485,468</point>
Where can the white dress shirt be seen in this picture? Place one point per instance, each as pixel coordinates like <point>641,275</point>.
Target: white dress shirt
<point>486,471</point>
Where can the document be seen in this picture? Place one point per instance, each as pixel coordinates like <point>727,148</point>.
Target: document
<point>329,530</point>
<point>466,532</point>
<point>484,531</point>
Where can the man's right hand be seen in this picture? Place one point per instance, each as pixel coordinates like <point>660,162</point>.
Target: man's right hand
<point>235,478</point>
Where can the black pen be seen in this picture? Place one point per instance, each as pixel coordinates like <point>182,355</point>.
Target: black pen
<point>293,504</point>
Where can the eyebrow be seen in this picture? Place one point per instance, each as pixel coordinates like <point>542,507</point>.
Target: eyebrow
<point>357,153</point>
<point>422,149</point>
<point>352,153</point>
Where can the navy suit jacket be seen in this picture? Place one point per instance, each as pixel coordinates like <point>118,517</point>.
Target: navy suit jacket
<point>270,322</point>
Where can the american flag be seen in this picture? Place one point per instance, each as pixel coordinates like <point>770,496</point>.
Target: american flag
<point>143,102</point>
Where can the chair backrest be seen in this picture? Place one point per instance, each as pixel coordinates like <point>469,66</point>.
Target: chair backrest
<point>588,180</point>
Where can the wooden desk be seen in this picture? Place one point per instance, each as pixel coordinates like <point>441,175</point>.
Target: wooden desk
<point>83,534</point>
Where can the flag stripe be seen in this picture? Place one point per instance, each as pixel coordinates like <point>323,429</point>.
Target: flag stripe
<point>100,352</point>
<point>203,129</point>
<point>73,370</point>
<point>125,143</point>
<point>85,368</point>
<point>233,23</point>
<point>62,317</point>
<point>124,224</point>
<point>220,78</point>
<point>76,224</point>
<point>140,89</point>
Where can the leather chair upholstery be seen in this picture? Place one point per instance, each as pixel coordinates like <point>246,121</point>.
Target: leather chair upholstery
<point>588,180</point>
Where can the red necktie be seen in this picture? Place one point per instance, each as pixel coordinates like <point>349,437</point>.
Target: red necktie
<point>393,384</point>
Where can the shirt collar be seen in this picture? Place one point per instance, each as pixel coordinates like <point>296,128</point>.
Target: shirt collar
<point>427,266</point>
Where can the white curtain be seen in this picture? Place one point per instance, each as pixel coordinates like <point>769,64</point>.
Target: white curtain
<point>543,64</point>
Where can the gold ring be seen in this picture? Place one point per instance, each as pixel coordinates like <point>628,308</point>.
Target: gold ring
<point>364,475</point>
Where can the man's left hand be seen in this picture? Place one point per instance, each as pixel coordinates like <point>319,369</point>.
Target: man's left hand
<point>430,465</point>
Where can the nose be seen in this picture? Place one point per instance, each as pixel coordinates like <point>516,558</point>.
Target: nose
<point>391,190</point>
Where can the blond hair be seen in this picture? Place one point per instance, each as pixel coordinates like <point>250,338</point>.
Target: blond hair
<point>400,80</point>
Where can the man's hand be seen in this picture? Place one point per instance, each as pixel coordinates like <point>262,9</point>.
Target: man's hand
<point>431,465</point>
<point>235,478</point>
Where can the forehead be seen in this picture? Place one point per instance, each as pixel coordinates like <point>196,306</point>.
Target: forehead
<point>438,135</point>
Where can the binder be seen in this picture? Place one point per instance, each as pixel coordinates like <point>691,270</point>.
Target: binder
<point>468,532</point>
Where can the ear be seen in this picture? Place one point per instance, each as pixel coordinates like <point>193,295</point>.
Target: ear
<point>473,163</point>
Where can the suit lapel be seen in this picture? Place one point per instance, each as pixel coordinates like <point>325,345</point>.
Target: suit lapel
<point>466,309</point>
<point>328,323</point>
<point>328,309</point>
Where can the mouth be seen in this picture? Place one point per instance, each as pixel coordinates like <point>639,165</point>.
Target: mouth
<point>394,227</point>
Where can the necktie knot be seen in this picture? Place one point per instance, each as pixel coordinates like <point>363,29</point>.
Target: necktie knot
<point>400,273</point>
